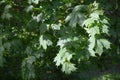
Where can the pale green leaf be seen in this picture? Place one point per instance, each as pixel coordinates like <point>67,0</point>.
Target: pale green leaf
<point>28,69</point>
<point>56,26</point>
<point>38,18</point>
<point>59,58</point>
<point>62,56</point>
<point>7,7</point>
<point>6,16</point>
<point>93,30</point>
<point>44,42</point>
<point>33,1</point>
<point>92,52</point>
<point>105,21</point>
<point>88,22</point>
<point>96,5</point>
<point>105,29</point>
<point>81,18</point>
<point>96,14</point>
<point>29,8</point>
<point>76,17</point>
<point>62,42</point>
<point>80,8</point>
<point>68,67</point>
<point>31,59</point>
<point>91,45</point>
<point>105,43</point>
<point>68,18</point>
<point>99,47</point>
<point>73,20</point>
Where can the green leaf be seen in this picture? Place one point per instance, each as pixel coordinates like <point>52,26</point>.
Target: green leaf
<point>81,18</point>
<point>81,8</point>
<point>7,45</point>
<point>68,67</point>
<point>99,47</point>
<point>96,5</point>
<point>31,59</point>
<point>105,43</point>
<point>1,56</point>
<point>62,56</point>
<point>100,44</point>
<point>56,26</point>
<point>32,24</point>
<point>7,7</point>
<point>73,20</point>
<point>62,42</point>
<point>44,42</point>
<point>28,50</point>
<point>105,29</point>
<point>39,17</point>
<point>6,16</point>
<point>28,70</point>
<point>43,28</point>
<point>68,18</point>
<point>93,30</point>
<point>104,21</point>
<point>33,1</point>
<point>77,16</point>
<point>29,8</point>
<point>96,14</point>
<point>91,45</point>
<point>88,22</point>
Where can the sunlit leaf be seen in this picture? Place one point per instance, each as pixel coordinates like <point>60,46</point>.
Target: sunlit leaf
<point>68,67</point>
<point>105,43</point>
<point>105,29</point>
<point>99,47</point>
<point>56,26</point>
<point>44,42</point>
<point>91,45</point>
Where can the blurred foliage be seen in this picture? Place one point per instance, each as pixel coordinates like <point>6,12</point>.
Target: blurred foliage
<point>59,39</point>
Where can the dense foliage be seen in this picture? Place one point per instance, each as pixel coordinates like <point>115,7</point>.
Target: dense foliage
<point>59,39</point>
